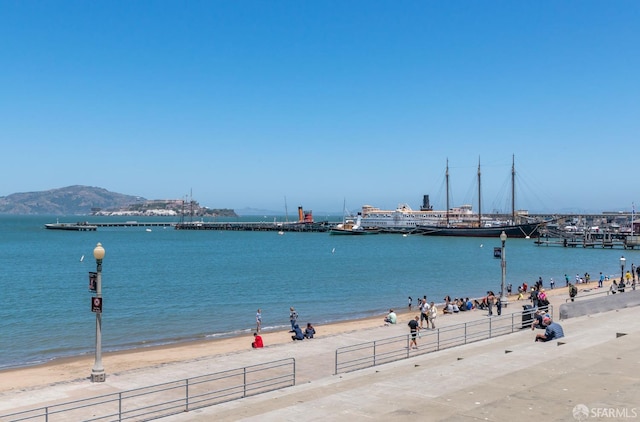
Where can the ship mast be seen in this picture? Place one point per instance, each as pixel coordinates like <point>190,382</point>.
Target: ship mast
<point>513,190</point>
<point>479,197</point>
<point>446,176</point>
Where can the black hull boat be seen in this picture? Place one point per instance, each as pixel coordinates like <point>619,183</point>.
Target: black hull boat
<point>522,231</point>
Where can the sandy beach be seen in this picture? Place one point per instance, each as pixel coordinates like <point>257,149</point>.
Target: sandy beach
<point>75,368</point>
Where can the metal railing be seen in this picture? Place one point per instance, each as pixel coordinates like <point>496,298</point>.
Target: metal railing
<point>378,352</point>
<point>160,400</point>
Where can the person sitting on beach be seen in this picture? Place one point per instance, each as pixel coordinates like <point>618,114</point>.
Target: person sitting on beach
<point>613,288</point>
<point>469,304</point>
<point>309,331</point>
<point>298,333</point>
<point>552,331</point>
<point>455,308</point>
<point>447,308</point>
<point>257,341</point>
<point>391,318</point>
<point>462,305</point>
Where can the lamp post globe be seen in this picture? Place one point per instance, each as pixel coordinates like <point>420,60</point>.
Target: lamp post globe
<point>503,264</point>
<point>97,373</point>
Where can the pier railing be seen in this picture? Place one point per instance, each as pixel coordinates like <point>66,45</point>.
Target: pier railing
<point>161,400</point>
<point>378,352</point>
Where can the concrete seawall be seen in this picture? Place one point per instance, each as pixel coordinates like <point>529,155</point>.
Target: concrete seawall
<point>600,304</point>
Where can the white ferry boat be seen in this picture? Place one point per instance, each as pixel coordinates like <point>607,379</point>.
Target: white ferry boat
<point>405,219</point>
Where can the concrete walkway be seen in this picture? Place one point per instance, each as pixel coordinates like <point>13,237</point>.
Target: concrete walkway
<point>507,378</point>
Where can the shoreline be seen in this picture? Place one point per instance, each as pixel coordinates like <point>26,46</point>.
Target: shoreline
<point>77,367</point>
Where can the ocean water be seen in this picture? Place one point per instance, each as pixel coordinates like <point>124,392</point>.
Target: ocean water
<point>167,285</point>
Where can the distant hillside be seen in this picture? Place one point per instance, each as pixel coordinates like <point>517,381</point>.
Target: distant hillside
<point>72,200</point>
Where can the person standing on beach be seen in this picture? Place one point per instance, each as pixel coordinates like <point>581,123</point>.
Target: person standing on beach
<point>293,318</point>
<point>490,300</point>
<point>414,326</point>
<point>433,313</point>
<point>258,320</point>
<point>424,316</point>
<point>573,291</point>
<point>410,302</point>
<point>601,280</point>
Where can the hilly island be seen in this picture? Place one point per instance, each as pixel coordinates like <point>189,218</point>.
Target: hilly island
<point>89,200</point>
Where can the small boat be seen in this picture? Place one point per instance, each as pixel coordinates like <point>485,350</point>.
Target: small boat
<point>349,227</point>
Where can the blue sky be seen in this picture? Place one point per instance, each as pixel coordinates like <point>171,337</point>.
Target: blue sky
<point>245,103</point>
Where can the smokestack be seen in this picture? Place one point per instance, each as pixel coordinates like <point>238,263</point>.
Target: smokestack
<point>425,204</point>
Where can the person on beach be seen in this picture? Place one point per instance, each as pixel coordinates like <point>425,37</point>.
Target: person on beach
<point>257,341</point>
<point>491,297</point>
<point>566,280</point>
<point>298,335</point>
<point>573,291</point>
<point>613,289</point>
<point>410,302</point>
<point>621,286</point>
<point>601,280</point>
<point>552,283</point>
<point>391,318</point>
<point>552,331</point>
<point>433,313</point>
<point>309,331</point>
<point>258,320</point>
<point>424,313</point>
<point>293,318</point>
<point>414,326</point>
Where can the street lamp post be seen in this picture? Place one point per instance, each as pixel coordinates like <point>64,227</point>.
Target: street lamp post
<point>503,264</point>
<point>97,373</point>
<point>622,262</point>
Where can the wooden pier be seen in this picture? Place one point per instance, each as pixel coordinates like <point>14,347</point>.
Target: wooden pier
<point>199,225</point>
<point>256,226</point>
<point>589,239</point>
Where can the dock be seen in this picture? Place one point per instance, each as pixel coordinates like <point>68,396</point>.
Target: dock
<point>199,225</point>
<point>256,226</point>
<point>588,239</point>
<point>78,227</point>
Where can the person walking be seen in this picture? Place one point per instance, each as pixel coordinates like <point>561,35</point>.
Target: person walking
<point>293,318</point>
<point>258,320</point>
<point>414,326</point>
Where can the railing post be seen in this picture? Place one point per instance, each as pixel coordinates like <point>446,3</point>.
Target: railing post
<point>374,353</point>
<point>294,371</point>
<point>438,340</point>
<point>336,365</point>
<point>408,344</point>
<point>120,407</point>
<point>186,395</point>
<point>465,333</point>
<point>490,327</point>
<point>46,414</point>
<point>244,382</point>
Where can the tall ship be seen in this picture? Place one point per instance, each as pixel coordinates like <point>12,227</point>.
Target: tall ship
<point>474,225</point>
